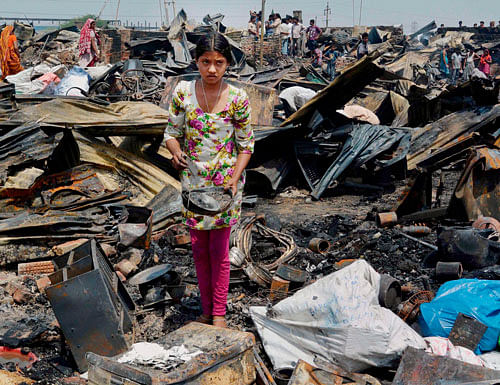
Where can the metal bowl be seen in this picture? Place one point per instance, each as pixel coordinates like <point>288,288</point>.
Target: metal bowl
<point>207,201</point>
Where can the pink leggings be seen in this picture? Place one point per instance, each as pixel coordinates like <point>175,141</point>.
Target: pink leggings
<point>211,258</point>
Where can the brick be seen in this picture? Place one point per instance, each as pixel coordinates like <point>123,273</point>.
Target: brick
<point>125,267</point>
<point>43,283</point>
<point>109,250</point>
<point>12,286</point>
<point>22,296</point>
<point>35,268</point>
<point>68,246</point>
<point>121,276</point>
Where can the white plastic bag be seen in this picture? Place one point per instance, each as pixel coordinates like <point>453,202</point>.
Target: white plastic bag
<point>339,319</point>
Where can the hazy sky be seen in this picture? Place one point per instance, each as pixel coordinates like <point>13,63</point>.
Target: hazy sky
<point>374,12</point>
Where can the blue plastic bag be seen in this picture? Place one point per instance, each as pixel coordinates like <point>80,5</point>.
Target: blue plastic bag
<point>476,298</point>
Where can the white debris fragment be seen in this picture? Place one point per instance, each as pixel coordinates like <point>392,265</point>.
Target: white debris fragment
<point>151,354</point>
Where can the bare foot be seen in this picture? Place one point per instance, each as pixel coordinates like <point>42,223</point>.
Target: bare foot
<point>219,321</point>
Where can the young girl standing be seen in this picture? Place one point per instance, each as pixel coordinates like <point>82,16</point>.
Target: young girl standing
<point>210,123</point>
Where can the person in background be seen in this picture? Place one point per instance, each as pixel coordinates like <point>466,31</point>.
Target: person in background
<point>363,46</point>
<point>313,33</point>
<point>89,45</point>
<point>258,22</point>
<point>276,24</point>
<point>252,27</point>
<point>484,62</point>
<point>475,25</point>
<point>269,26</point>
<point>285,29</point>
<point>317,58</point>
<point>492,24</point>
<point>297,29</point>
<point>460,24</point>
<point>331,55</point>
<point>444,67</point>
<point>470,65</point>
<point>10,58</point>
<point>211,119</point>
<point>481,24</point>
<point>456,65</point>
<point>442,26</point>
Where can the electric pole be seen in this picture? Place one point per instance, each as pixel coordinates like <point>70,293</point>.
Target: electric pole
<point>117,10</point>
<point>167,19</point>
<point>327,12</point>
<point>360,10</point>
<point>173,6</point>
<point>161,13</point>
<point>262,34</point>
<point>353,22</point>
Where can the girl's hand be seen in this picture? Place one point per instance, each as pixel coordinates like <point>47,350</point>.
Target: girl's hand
<point>232,185</point>
<point>179,160</point>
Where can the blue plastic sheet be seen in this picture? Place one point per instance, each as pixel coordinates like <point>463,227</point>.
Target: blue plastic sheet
<point>75,81</point>
<point>476,298</point>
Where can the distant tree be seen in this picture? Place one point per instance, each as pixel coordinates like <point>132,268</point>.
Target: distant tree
<point>83,19</point>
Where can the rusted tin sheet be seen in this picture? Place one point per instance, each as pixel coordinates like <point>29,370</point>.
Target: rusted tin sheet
<point>416,196</point>
<point>467,332</point>
<point>137,229</point>
<point>29,145</point>
<point>91,304</point>
<point>436,135</point>
<point>450,152</point>
<point>305,374</point>
<point>118,119</point>
<point>420,368</point>
<point>227,358</point>
<point>261,98</point>
<point>478,190</point>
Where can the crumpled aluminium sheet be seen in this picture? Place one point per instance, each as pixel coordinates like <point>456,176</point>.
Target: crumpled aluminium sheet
<point>365,143</point>
<point>339,319</point>
<point>84,113</point>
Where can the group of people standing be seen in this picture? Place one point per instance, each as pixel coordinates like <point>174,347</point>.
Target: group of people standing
<point>293,34</point>
<point>459,65</point>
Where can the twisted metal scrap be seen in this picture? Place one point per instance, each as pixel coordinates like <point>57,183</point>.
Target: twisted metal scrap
<point>242,238</point>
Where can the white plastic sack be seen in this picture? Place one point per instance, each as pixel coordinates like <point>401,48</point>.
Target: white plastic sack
<point>23,83</point>
<point>297,96</point>
<point>339,319</point>
<point>491,360</point>
<point>98,71</point>
<point>441,346</point>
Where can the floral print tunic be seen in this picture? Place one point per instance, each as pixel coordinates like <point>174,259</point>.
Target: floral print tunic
<point>213,141</point>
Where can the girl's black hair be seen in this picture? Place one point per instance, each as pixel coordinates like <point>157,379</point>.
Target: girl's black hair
<point>214,42</point>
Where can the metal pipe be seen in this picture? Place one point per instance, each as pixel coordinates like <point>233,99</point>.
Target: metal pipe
<point>387,219</point>
<point>418,240</point>
<point>417,230</point>
<point>319,245</point>
<point>448,271</point>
